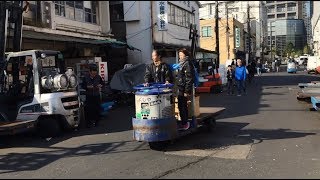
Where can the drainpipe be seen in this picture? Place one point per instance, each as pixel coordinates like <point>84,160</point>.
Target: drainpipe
<point>152,38</point>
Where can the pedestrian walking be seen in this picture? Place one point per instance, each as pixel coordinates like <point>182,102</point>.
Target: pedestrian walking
<point>230,80</point>
<point>240,77</point>
<point>259,68</point>
<point>278,63</point>
<point>273,64</point>
<point>157,71</point>
<point>92,83</point>
<point>185,84</point>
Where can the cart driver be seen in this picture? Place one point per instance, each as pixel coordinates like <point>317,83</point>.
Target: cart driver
<point>157,71</point>
<point>186,79</point>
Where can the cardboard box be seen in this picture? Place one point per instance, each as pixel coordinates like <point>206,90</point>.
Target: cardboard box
<point>196,107</point>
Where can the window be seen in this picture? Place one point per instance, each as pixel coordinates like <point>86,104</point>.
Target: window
<point>206,31</point>
<point>281,15</point>
<point>116,12</point>
<point>179,16</point>
<point>83,11</point>
<point>59,8</point>
<point>292,8</point>
<point>271,16</point>
<point>231,10</point>
<point>20,68</point>
<point>271,9</point>
<point>291,15</point>
<point>211,9</point>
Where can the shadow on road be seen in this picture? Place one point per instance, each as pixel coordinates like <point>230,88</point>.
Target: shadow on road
<point>15,162</point>
<point>232,133</point>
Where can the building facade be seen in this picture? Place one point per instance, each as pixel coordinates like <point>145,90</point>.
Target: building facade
<point>284,10</point>
<point>162,25</point>
<point>239,10</point>
<point>285,31</point>
<point>229,44</point>
<point>72,27</point>
<point>316,27</point>
<point>307,14</point>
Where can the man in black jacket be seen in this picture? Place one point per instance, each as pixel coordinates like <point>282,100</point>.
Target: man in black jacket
<point>92,83</point>
<point>157,71</point>
<point>230,78</point>
<point>185,86</point>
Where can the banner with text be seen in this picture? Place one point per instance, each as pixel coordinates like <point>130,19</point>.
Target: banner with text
<point>162,9</point>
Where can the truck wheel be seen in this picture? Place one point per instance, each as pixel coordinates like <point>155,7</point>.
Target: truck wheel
<point>158,146</point>
<point>48,127</point>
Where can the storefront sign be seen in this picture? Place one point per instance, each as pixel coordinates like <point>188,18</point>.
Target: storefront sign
<point>103,70</point>
<point>237,37</point>
<point>162,7</point>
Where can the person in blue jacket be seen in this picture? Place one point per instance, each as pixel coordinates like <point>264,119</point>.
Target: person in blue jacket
<point>240,76</point>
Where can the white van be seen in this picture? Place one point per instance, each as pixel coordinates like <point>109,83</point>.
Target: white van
<point>303,60</point>
<point>313,63</point>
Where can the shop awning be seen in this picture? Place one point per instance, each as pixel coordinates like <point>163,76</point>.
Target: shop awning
<point>55,37</point>
<point>175,47</point>
<point>116,44</point>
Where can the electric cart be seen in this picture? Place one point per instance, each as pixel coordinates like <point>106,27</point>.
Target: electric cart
<point>155,122</point>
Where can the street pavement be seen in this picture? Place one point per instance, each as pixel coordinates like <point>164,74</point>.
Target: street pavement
<point>264,134</point>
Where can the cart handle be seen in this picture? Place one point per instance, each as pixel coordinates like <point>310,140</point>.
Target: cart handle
<point>152,86</point>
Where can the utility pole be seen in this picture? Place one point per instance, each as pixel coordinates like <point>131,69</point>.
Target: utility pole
<point>217,34</point>
<point>249,32</point>
<point>227,30</point>
<point>3,30</point>
<point>271,41</point>
<point>17,10</point>
<point>193,35</point>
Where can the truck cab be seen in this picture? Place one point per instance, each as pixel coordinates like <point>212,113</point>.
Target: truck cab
<point>36,92</point>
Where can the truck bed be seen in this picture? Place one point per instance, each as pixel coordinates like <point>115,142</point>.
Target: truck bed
<point>13,127</point>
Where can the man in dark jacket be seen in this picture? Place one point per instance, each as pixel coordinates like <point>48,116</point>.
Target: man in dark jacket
<point>157,71</point>
<point>230,78</point>
<point>185,86</point>
<point>92,83</point>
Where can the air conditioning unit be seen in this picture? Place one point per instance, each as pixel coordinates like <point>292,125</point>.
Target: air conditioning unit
<point>46,14</point>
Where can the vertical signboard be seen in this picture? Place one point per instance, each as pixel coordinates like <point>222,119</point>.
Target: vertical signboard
<point>237,37</point>
<point>103,71</point>
<point>162,9</point>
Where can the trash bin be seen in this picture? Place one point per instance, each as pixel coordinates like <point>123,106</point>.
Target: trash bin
<point>154,103</point>
<point>154,116</point>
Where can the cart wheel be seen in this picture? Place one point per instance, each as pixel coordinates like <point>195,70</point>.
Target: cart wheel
<point>211,125</point>
<point>158,146</point>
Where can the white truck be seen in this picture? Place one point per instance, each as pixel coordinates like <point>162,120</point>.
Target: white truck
<point>312,64</point>
<point>36,92</point>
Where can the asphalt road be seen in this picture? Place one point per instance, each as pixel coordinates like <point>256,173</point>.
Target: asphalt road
<point>265,134</point>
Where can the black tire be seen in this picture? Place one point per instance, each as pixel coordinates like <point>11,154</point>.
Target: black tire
<point>158,146</point>
<point>49,127</point>
<point>211,125</point>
